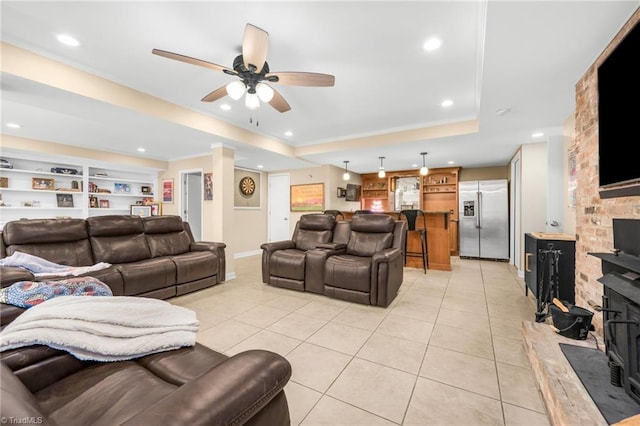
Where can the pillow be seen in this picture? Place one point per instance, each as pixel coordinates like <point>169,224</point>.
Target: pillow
<point>26,294</point>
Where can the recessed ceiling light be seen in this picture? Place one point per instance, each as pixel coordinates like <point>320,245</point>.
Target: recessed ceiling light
<point>288,133</point>
<point>225,107</point>
<point>502,111</point>
<point>451,162</point>
<point>413,166</point>
<point>537,135</point>
<point>446,103</point>
<point>141,150</point>
<point>432,44</point>
<point>68,40</point>
<point>260,166</point>
<point>13,125</point>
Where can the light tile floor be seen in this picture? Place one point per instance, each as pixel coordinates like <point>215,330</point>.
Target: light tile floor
<point>447,351</point>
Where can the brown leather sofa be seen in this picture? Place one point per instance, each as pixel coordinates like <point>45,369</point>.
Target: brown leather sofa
<point>370,269</point>
<point>284,263</point>
<point>188,386</point>
<point>151,257</point>
<point>360,260</point>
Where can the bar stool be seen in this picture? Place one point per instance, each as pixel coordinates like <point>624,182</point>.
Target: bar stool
<point>411,216</point>
<point>334,213</point>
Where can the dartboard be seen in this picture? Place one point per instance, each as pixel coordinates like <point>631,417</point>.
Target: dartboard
<point>247,185</point>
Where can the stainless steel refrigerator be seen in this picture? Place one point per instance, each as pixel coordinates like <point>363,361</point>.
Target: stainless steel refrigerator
<point>484,219</point>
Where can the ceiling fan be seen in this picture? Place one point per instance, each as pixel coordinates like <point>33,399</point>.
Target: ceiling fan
<point>253,71</point>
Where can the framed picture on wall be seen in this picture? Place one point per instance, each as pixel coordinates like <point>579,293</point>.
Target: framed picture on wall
<point>208,186</point>
<point>307,198</point>
<point>167,190</point>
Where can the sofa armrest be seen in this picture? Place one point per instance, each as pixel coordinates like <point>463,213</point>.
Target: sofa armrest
<point>314,266</point>
<point>386,275</point>
<point>332,246</point>
<point>12,274</point>
<point>386,256</point>
<point>267,251</point>
<point>230,393</point>
<point>217,248</point>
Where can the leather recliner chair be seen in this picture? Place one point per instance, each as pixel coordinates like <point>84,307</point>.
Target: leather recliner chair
<point>370,270</point>
<point>284,263</point>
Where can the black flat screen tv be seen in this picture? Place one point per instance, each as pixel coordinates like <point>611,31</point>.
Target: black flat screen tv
<point>619,114</point>
<point>353,192</point>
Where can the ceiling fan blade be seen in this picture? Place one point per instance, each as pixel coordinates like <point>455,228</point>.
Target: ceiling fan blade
<point>304,79</point>
<point>278,102</point>
<point>190,60</point>
<point>254,47</point>
<point>216,94</point>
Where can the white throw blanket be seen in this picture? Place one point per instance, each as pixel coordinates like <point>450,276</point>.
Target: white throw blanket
<point>40,267</point>
<point>103,328</point>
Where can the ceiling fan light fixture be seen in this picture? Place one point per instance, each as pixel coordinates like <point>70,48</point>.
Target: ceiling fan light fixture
<point>264,91</point>
<point>251,101</point>
<point>424,170</point>
<point>346,175</point>
<point>236,89</point>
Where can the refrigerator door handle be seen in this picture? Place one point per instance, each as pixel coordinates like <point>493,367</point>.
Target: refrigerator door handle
<point>479,198</point>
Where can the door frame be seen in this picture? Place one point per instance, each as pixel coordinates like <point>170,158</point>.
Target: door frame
<point>183,201</point>
<point>515,257</point>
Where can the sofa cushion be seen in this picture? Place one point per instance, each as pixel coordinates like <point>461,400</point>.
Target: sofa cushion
<point>288,263</point>
<point>120,249</point>
<point>166,235</point>
<point>114,225</point>
<point>17,400</point>
<point>348,272</point>
<point>62,241</point>
<point>105,393</point>
<point>195,266</point>
<point>313,229</point>
<point>367,244</point>
<point>147,275</point>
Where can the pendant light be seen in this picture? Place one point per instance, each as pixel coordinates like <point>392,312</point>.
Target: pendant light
<point>381,172</point>
<point>346,175</point>
<point>424,170</point>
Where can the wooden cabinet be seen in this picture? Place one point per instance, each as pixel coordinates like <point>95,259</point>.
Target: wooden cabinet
<point>440,193</point>
<point>537,261</point>
<point>375,193</point>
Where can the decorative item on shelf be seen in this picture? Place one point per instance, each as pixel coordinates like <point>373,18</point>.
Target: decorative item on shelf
<point>145,189</point>
<point>381,172</point>
<point>93,187</point>
<point>122,188</point>
<point>101,174</point>
<point>424,170</point>
<point>104,204</point>
<point>346,175</point>
<point>156,209</point>
<point>64,200</point>
<point>142,211</point>
<point>4,164</point>
<point>64,170</point>
<point>4,182</point>
<point>93,202</point>
<point>75,184</point>
<point>42,184</point>
<point>342,192</point>
<point>145,201</point>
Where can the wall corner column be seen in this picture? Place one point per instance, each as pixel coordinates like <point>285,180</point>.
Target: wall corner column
<point>222,221</point>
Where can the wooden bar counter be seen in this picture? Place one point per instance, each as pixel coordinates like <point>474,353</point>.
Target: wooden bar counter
<point>437,240</point>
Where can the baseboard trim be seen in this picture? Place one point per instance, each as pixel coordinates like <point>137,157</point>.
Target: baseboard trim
<point>247,254</point>
<point>230,276</point>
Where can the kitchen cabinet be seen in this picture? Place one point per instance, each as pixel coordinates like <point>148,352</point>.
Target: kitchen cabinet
<point>440,193</point>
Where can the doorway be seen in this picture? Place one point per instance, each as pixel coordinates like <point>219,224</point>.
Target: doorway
<point>279,200</point>
<point>191,201</point>
<point>516,228</point>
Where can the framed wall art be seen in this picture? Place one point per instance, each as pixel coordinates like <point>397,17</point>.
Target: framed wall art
<point>307,198</point>
<point>167,190</point>
<point>64,200</point>
<point>208,186</point>
<point>247,189</point>
<point>156,209</point>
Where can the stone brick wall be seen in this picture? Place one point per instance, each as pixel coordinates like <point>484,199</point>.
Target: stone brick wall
<point>594,215</point>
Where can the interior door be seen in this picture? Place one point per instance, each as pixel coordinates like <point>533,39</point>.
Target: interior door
<point>192,204</point>
<point>279,207</point>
